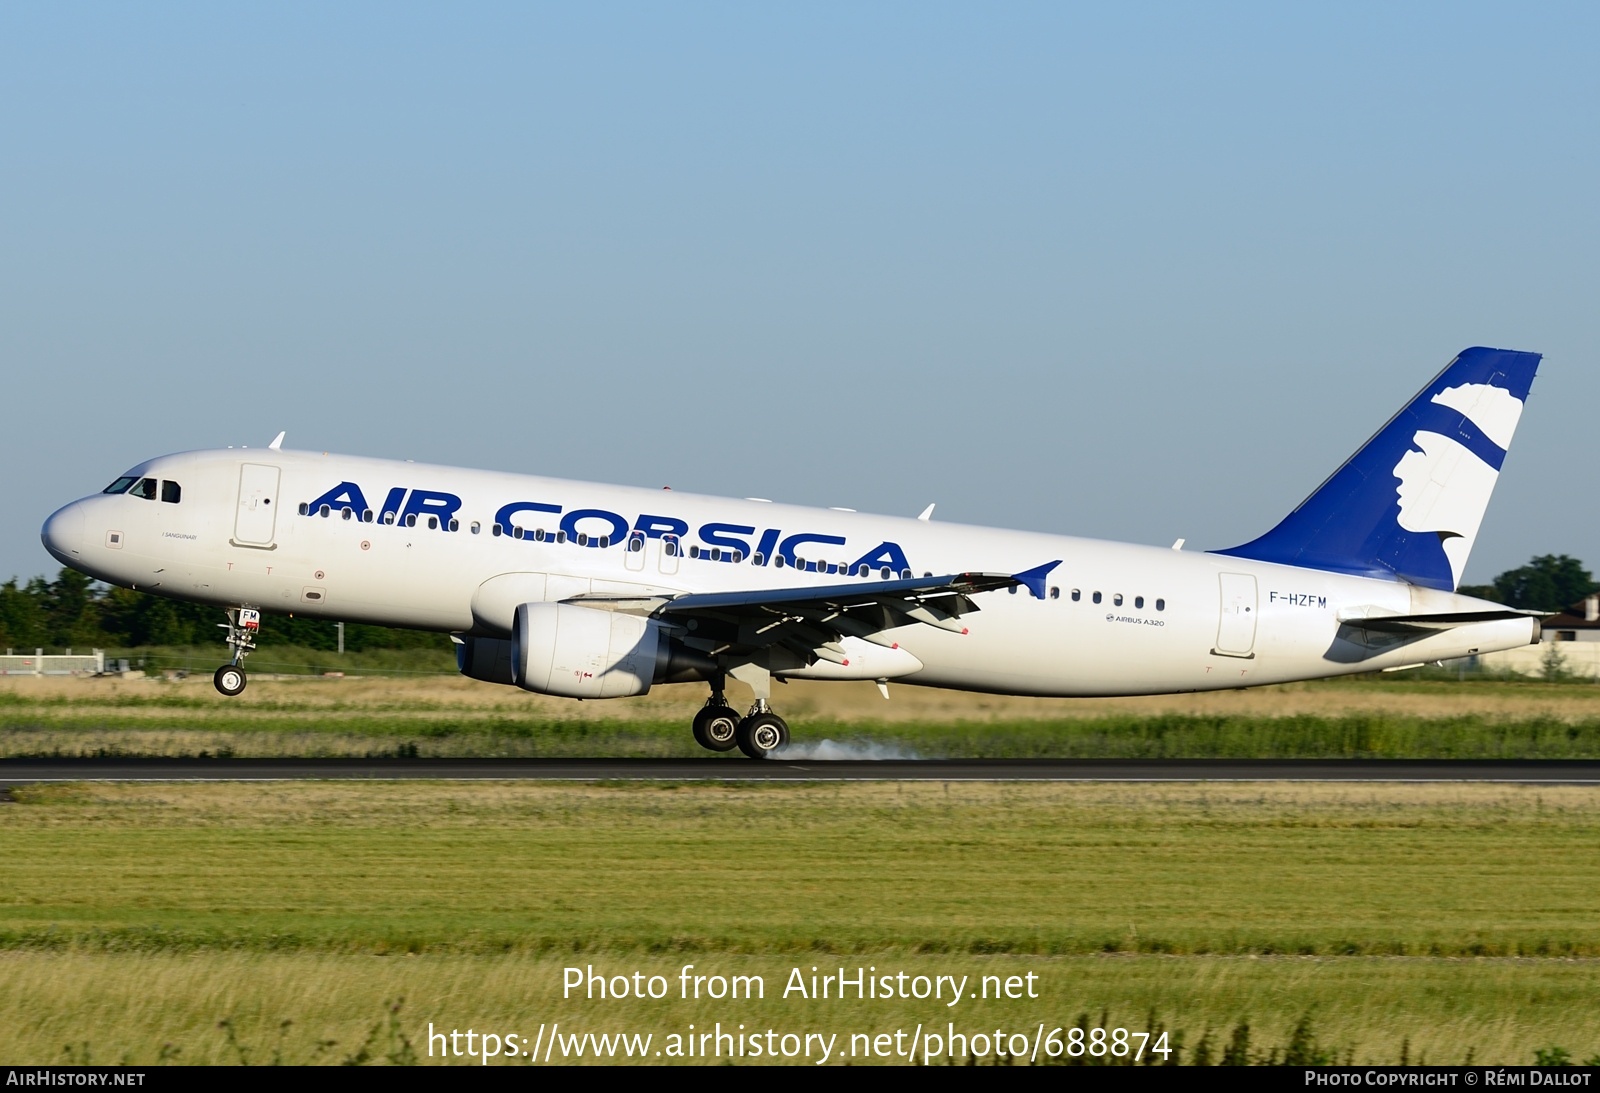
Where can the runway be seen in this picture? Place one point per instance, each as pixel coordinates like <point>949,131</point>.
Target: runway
<point>1546,771</point>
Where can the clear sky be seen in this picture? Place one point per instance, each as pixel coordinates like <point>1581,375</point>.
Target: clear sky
<point>1134,271</point>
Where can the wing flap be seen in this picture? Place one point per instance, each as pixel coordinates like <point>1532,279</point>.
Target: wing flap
<point>810,622</point>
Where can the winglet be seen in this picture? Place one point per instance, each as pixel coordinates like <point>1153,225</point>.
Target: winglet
<point>1033,579</point>
<point>927,513</point>
<point>277,441</point>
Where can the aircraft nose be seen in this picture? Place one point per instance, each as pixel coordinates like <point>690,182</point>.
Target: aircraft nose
<point>63,533</point>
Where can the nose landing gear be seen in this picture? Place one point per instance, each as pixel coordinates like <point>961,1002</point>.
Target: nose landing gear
<point>243,624</point>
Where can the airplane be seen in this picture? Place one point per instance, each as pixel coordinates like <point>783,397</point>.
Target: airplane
<point>593,591</point>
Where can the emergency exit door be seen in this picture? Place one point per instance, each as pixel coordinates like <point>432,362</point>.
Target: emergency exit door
<point>1236,632</point>
<point>256,519</point>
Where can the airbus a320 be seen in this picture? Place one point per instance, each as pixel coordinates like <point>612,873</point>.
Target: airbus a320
<point>591,591</point>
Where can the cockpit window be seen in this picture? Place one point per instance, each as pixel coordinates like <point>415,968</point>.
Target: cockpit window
<point>120,485</point>
<point>145,488</point>
<point>171,492</point>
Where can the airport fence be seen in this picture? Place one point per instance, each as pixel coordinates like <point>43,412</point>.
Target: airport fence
<point>64,664</point>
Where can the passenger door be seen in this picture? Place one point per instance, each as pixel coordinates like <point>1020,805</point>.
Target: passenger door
<point>1236,632</point>
<point>256,520</point>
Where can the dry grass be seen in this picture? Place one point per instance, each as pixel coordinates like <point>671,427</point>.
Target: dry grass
<point>323,1007</point>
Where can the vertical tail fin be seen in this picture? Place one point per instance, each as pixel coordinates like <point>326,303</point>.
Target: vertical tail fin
<point>1407,505</point>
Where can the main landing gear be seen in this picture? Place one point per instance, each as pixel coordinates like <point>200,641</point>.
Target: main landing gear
<point>719,728</point>
<point>243,624</point>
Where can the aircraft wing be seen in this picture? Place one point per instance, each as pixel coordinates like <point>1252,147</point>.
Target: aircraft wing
<point>810,622</point>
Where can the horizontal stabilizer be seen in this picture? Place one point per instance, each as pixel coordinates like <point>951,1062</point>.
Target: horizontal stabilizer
<point>1418,624</point>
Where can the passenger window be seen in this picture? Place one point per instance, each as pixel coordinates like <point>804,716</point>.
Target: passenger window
<point>1012,590</point>
<point>561,536</point>
<point>433,521</point>
<point>1076,595</point>
<point>145,488</point>
<point>1138,601</point>
<point>304,508</point>
<point>736,557</point>
<point>884,573</point>
<point>635,543</point>
<point>366,516</point>
<point>1117,599</point>
<point>758,559</point>
<point>171,492</point>
<point>694,551</point>
<point>411,517</point>
<point>388,518</point>
<point>605,541</point>
<point>120,485</point>
<point>324,512</point>
<point>905,574</point>
<point>669,546</point>
<point>583,538</point>
<point>455,525</point>
<point>1096,597</point>
<point>1161,605</point>
<point>346,513</point>
<point>1055,593</point>
<point>495,530</point>
<point>476,527</point>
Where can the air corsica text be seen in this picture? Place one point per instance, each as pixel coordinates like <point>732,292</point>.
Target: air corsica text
<point>597,525</point>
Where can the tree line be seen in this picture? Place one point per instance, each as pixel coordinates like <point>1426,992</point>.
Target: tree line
<point>1550,582</point>
<point>77,612</point>
<point>74,611</point>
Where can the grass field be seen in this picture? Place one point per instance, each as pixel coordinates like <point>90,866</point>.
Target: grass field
<point>433,716</point>
<point>1434,920</point>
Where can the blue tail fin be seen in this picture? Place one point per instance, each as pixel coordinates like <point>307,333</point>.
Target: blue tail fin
<point>1407,505</point>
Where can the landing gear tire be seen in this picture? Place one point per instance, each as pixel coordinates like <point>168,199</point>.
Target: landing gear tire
<point>716,728</point>
<point>761,734</point>
<point>229,679</point>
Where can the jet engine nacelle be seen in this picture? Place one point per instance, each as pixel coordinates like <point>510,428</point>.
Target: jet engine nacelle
<point>580,652</point>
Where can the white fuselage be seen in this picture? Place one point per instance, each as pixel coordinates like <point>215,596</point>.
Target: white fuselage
<point>1117,619</point>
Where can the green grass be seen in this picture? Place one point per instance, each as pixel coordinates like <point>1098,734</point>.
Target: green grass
<point>957,868</point>
<point>1425,920</point>
<point>180,725</point>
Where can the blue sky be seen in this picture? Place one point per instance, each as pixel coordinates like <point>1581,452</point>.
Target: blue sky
<point>1129,271</point>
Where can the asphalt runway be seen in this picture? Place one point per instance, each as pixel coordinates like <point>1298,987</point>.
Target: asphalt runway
<point>1542,771</point>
